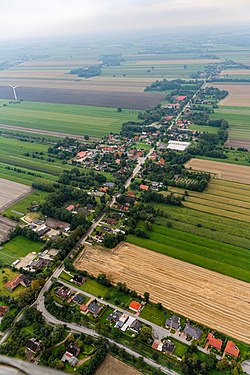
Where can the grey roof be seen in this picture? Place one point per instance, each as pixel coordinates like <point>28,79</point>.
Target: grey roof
<point>168,347</point>
<point>136,326</point>
<point>78,298</point>
<point>193,331</point>
<point>173,322</point>
<point>94,307</point>
<point>114,316</point>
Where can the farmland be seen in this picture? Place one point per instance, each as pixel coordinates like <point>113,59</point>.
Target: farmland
<point>11,191</point>
<point>74,119</point>
<point>230,172</point>
<point>239,94</point>
<point>202,295</point>
<point>17,248</point>
<point>112,366</point>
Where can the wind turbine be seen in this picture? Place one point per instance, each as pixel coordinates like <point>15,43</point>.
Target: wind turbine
<point>14,91</point>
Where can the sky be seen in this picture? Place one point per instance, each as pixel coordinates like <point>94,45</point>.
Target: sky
<point>51,18</point>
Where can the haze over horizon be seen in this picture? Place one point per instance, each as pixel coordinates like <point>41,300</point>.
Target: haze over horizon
<point>36,18</point>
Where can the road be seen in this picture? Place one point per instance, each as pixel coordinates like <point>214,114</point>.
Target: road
<point>81,329</point>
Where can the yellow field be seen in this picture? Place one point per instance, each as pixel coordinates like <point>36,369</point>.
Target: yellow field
<point>239,94</point>
<point>218,301</point>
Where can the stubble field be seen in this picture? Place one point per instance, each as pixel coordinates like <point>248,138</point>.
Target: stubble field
<point>217,301</point>
<point>112,366</point>
<point>239,94</point>
<point>10,192</point>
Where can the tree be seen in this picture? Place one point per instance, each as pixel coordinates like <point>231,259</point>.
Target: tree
<point>146,333</point>
<point>86,137</point>
<point>119,109</point>
<point>146,296</point>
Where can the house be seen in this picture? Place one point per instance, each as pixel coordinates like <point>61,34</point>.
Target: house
<point>161,162</point>
<point>144,187</point>
<point>168,347</point>
<point>114,316</point>
<point>63,292</point>
<point>231,349</point>
<point>111,221</point>
<point>173,323</point>
<point>73,349</point>
<point>95,308</point>
<point>79,280</point>
<point>136,326</point>
<point>180,98</point>
<point>33,345</point>
<point>42,230</point>
<point>78,298</point>
<point>83,308</point>
<point>39,263</point>
<point>212,342</point>
<point>70,207</point>
<point>121,321</point>
<point>193,332</point>
<point>128,323</point>
<point>3,310</point>
<point>135,306</point>
<point>157,345</point>
<point>70,358</point>
<point>109,184</point>
<point>19,280</point>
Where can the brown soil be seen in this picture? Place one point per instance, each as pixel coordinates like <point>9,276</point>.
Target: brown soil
<point>218,301</point>
<point>239,94</point>
<point>112,366</point>
<point>224,171</point>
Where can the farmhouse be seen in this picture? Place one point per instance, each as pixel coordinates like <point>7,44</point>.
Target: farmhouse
<point>19,280</point>
<point>231,349</point>
<point>178,146</point>
<point>135,306</point>
<point>212,342</point>
<point>193,332</point>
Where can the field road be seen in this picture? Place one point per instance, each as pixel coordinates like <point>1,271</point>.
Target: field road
<point>44,132</point>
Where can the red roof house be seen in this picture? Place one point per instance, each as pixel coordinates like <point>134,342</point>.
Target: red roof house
<point>3,310</point>
<point>232,349</point>
<point>70,207</point>
<point>135,306</point>
<point>144,187</point>
<point>180,98</point>
<point>213,342</point>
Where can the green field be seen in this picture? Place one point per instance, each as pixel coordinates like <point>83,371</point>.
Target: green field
<point>204,128</point>
<point>216,256</point>
<point>66,118</point>
<point>22,206</point>
<point>238,118</point>
<point>17,248</point>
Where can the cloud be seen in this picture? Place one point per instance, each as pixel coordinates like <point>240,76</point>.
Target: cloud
<point>33,18</point>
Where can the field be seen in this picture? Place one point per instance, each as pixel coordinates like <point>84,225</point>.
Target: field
<point>5,226</point>
<point>215,300</point>
<point>112,366</point>
<point>224,171</point>
<point>74,119</point>
<point>20,208</point>
<point>17,248</point>
<point>10,192</point>
<point>239,94</point>
<point>238,119</point>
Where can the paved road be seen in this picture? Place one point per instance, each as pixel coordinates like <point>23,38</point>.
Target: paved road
<point>246,366</point>
<point>81,329</point>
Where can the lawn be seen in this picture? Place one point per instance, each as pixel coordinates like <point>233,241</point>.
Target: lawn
<point>67,118</point>
<point>17,248</point>
<point>154,315</point>
<point>180,349</point>
<point>21,207</point>
<point>214,255</point>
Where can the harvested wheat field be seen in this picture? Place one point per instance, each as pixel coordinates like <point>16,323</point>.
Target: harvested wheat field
<point>224,171</point>
<point>239,94</point>
<point>112,366</point>
<point>218,301</point>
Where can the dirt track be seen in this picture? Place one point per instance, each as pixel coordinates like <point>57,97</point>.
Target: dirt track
<point>224,171</point>
<point>215,300</point>
<point>112,366</point>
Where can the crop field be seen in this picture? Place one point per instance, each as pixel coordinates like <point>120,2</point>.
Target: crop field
<point>239,94</point>
<point>19,209</point>
<point>215,300</point>
<point>238,118</point>
<point>224,171</point>
<point>10,192</point>
<point>112,366</point>
<point>5,226</point>
<point>17,248</point>
<point>74,119</point>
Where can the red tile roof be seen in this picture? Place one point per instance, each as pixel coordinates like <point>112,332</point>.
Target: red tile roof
<point>232,349</point>
<point>212,341</point>
<point>3,310</point>
<point>12,284</point>
<point>70,207</point>
<point>181,97</point>
<point>135,306</point>
<point>144,187</point>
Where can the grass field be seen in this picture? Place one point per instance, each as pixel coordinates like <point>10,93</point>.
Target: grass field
<point>21,207</point>
<point>238,118</point>
<point>72,119</point>
<point>17,248</point>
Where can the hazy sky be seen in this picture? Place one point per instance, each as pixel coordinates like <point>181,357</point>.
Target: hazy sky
<point>34,18</point>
